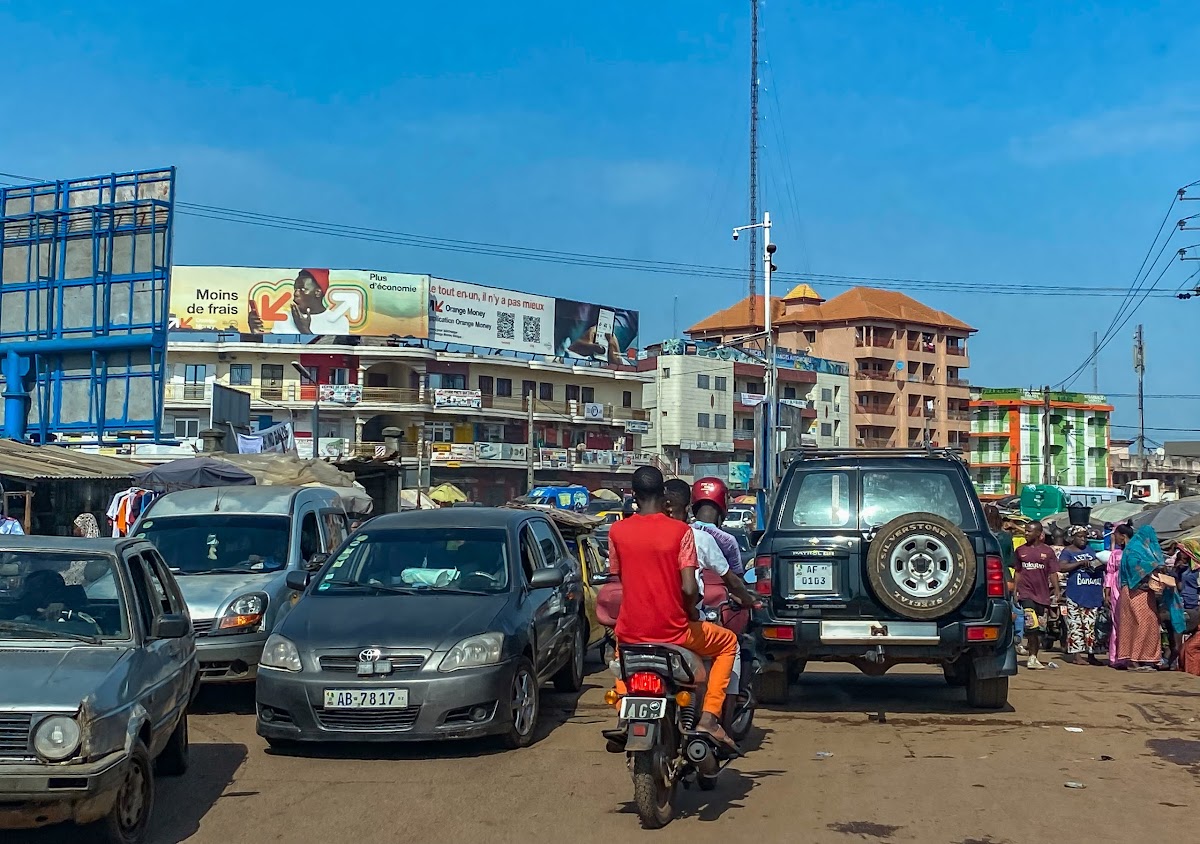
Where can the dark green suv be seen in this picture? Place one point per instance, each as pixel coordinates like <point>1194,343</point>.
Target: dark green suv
<point>878,559</point>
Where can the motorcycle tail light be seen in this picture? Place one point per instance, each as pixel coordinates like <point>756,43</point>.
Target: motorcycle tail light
<point>647,683</point>
<point>762,574</point>
<point>996,587</point>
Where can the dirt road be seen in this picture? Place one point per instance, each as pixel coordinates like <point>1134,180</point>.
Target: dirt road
<point>910,763</point>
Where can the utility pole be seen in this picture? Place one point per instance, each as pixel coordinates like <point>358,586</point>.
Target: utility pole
<point>1095,361</point>
<point>754,161</point>
<point>1047,474</point>
<point>1139,366</point>
<point>770,383</point>
<point>529,455</point>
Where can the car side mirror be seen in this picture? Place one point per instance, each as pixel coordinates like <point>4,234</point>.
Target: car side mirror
<point>546,579</point>
<point>756,537</point>
<point>297,580</point>
<point>171,626</point>
<point>316,561</point>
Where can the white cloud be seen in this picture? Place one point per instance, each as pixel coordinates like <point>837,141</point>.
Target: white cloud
<point>1115,132</point>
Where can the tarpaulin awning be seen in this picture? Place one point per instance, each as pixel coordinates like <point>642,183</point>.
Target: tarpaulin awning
<point>193,473</point>
<point>447,494</point>
<point>47,462</point>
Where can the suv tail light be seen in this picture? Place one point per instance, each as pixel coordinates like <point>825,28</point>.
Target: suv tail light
<point>762,574</point>
<point>996,586</point>
<point>646,683</point>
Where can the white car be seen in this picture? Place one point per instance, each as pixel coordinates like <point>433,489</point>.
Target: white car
<point>740,517</point>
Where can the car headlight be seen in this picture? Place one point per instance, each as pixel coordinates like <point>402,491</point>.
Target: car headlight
<point>56,738</point>
<point>473,652</point>
<point>245,613</point>
<point>280,653</point>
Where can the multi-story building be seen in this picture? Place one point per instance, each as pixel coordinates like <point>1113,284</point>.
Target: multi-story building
<point>1009,435</point>
<point>463,416</point>
<point>702,403</point>
<point>908,361</point>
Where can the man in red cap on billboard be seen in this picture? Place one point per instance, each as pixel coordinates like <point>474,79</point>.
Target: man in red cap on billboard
<point>310,312</point>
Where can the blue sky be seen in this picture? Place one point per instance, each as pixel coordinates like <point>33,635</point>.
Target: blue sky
<point>1009,143</point>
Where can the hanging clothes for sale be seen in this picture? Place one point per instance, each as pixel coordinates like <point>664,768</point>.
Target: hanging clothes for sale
<point>126,507</point>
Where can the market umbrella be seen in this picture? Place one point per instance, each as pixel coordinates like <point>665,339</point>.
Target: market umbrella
<point>1110,511</point>
<point>447,494</point>
<point>605,495</point>
<point>1169,519</point>
<point>192,473</point>
<point>745,499</point>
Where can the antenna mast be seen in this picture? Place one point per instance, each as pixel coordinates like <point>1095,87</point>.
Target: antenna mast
<point>754,256</point>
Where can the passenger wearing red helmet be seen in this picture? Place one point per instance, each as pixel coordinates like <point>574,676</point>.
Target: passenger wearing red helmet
<point>710,503</point>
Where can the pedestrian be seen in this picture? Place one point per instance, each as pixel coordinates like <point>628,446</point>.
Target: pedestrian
<point>1189,591</point>
<point>1084,596</point>
<point>1037,581</point>
<point>1139,640</point>
<point>1112,589</point>
<point>86,526</point>
<point>999,527</point>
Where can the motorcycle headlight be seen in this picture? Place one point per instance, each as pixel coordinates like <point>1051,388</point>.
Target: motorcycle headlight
<point>474,652</point>
<point>56,738</point>
<point>245,613</point>
<point>280,653</point>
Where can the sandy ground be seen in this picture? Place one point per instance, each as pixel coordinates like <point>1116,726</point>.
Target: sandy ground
<point>910,763</point>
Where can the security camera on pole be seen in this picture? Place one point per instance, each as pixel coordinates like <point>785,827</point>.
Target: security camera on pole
<point>769,468</point>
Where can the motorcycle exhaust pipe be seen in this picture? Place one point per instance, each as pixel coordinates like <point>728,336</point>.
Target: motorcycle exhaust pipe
<point>701,755</point>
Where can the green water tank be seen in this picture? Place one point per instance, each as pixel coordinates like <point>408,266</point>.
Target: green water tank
<point>1041,500</point>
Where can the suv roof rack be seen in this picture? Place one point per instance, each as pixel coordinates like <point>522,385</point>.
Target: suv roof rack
<point>930,451</point>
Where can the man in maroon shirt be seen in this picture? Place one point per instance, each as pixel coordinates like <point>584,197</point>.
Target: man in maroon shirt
<point>655,558</point>
<point>1037,577</point>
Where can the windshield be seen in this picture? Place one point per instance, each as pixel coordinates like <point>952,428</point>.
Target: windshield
<point>216,542</point>
<point>59,594</point>
<point>886,495</point>
<point>420,560</point>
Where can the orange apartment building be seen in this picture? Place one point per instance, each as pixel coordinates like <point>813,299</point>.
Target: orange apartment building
<point>907,360</point>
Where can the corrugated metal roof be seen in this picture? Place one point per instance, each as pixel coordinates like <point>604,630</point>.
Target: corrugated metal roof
<point>32,462</point>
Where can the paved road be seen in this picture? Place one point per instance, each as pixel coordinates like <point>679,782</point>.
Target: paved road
<point>910,763</point>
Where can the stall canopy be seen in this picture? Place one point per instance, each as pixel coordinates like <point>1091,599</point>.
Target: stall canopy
<point>193,473</point>
<point>447,494</point>
<point>47,462</point>
<point>290,470</point>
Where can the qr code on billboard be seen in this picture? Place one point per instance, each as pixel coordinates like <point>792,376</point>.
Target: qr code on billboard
<point>531,330</point>
<point>506,326</point>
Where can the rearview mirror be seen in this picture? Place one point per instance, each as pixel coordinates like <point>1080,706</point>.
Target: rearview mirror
<point>297,580</point>
<point>316,561</point>
<point>171,626</point>
<point>756,536</point>
<point>546,579</point>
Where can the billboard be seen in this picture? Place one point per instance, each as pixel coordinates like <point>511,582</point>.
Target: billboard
<point>470,399</point>
<point>474,315</point>
<point>310,302</point>
<point>84,269</point>
<point>594,332</point>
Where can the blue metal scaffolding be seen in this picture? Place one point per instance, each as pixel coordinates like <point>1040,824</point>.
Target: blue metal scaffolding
<point>84,278</point>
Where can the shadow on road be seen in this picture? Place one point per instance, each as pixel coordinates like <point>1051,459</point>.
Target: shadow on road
<point>180,803</point>
<point>902,693</point>
<point>225,699</point>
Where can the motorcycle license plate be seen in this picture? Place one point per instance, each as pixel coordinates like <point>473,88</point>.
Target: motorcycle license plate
<point>643,708</point>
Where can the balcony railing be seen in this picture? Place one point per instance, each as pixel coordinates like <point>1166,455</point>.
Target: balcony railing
<point>959,415</point>
<point>919,412</point>
<point>874,375</point>
<point>392,395</point>
<point>957,351</point>
<point>879,409</point>
<point>922,346</point>
<point>876,342</point>
<point>874,442</point>
<point>957,382</point>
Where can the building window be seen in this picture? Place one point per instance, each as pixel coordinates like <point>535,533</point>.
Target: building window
<point>572,392</point>
<point>789,392</point>
<point>546,391</point>
<point>241,374</point>
<point>271,375</point>
<point>528,388</point>
<point>447,381</point>
<point>702,381</point>
<point>720,421</point>
<point>748,423</point>
<point>721,383</point>
<point>504,386</point>
<point>826,429</point>
<point>339,375</point>
<point>701,420</point>
<point>826,394</point>
<point>810,337</point>
<point>439,432</point>
<point>490,432</point>
<point>666,372</point>
<point>588,394</point>
<point>627,399</point>
<point>754,387</point>
<point>485,384</point>
<point>187,429</point>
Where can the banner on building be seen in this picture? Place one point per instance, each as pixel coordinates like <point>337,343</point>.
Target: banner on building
<point>594,332</point>
<point>501,451</point>
<point>329,448</point>
<point>277,438</point>
<point>310,302</point>
<point>471,399</point>
<point>341,393</point>
<point>637,426</point>
<point>474,315</point>
<point>452,452</point>
<point>593,411</point>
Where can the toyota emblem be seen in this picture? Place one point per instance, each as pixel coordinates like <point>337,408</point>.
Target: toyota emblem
<point>370,655</point>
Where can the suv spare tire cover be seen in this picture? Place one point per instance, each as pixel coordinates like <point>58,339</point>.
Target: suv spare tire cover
<point>921,566</point>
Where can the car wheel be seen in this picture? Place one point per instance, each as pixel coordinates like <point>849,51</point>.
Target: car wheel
<point>921,566</point>
<point>771,687</point>
<point>523,705</point>
<point>129,819</point>
<point>987,694</point>
<point>570,677</point>
<point>173,761</point>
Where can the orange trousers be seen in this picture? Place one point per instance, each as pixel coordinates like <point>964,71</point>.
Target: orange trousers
<point>718,644</point>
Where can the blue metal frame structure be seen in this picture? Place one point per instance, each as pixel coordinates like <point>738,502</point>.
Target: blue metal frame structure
<point>84,296</point>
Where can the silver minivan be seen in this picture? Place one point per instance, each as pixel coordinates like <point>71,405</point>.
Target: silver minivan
<point>230,549</point>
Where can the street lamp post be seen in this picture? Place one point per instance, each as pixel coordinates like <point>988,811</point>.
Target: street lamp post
<point>311,377</point>
<point>771,401</point>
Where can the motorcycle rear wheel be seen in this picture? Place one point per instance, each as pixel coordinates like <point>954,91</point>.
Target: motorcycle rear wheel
<point>652,794</point>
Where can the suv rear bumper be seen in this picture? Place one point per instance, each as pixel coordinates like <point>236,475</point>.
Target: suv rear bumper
<point>996,658</point>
